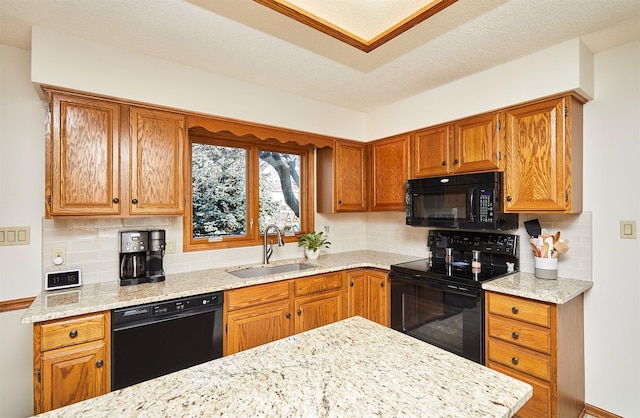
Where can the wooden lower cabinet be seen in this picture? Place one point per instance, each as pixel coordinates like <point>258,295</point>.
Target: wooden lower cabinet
<point>541,344</point>
<point>260,314</point>
<point>368,295</point>
<point>71,360</point>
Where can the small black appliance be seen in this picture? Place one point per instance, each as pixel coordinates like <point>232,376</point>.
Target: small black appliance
<point>157,243</point>
<point>133,257</point>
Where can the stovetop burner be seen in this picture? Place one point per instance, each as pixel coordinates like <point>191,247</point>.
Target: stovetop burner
<point>498,257</point>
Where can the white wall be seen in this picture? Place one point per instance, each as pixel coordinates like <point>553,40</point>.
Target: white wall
<point>612,183</point>
<point>21,204</point>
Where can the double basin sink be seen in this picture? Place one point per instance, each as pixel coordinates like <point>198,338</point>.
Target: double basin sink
<point>266,270</point>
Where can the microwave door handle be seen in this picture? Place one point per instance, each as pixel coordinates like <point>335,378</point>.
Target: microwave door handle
<point>472,192</point>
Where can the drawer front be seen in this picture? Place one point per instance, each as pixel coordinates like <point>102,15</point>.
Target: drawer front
<point>539,405</point>
<point>516,358</point>
<point>320,283</point>
<point>520,333</point>
<point>256,295</point>
<point>527,310</point>
<point>78,330</point>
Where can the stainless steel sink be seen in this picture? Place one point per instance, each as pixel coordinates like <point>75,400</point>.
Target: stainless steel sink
<point>268,270</point>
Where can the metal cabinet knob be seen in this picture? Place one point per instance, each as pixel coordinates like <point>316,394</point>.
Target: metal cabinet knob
<point>99,363</point>
<point>514,309</point>
<point>514,360</point>
<point>288,315</point>
<point>134,201</point>
<point>456,161</point>
<point>515,335</point>
<point>299,311</point>
<point>509,198</point>
<point>116,200</point>
<point>351,284</point>
<point>381,284</point>
<point>73,334</point>
<point>339,202</point>
<point>444,163</point>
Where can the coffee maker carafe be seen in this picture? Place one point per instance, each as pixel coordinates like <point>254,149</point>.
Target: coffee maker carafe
<point>155,272</point>
<point>133,257</point>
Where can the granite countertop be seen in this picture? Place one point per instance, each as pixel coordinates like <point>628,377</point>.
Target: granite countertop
<point>353,367</point>
<point>526,285</point>
<point>110,295</point>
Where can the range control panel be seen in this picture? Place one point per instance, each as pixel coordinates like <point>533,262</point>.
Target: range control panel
<point>487,242</point>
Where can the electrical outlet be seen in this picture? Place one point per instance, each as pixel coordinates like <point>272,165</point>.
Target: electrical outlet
<point>58,257</point>
<point>171,247</point>
<point>326,229</point>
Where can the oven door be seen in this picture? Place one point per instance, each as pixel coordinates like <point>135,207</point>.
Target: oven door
<point>448,316</point>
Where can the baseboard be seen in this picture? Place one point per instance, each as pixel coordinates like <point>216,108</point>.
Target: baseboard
<point>597,412</point>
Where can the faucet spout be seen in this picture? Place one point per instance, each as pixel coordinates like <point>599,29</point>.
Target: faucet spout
<point>267,251</point>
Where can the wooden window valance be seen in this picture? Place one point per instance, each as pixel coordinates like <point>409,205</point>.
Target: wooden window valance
<point>256,130</point>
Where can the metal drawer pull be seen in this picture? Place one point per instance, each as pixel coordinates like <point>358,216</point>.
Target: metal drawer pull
<point>514,309</point>
<point>515,335</point>
<point>73,334</point>
<point>99,363</point>
<point>514,360</point>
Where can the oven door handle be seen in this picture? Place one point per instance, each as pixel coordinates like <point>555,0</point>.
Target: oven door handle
<point>451,288</point>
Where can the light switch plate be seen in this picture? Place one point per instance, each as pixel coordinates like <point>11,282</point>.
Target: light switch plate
<point>628,229</point>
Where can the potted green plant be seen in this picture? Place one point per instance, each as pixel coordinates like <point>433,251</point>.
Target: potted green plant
<point>312,242</point>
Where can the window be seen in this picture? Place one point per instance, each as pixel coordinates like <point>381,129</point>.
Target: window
<point>238,186</point>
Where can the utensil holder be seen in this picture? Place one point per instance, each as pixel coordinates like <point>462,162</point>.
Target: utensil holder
<point>546,268</point>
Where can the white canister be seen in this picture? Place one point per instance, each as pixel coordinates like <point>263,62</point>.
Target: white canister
<point>546,268</point>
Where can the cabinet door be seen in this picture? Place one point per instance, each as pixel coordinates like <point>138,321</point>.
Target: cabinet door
<point>390,167</point>
<point>156,162</point>
<point>536,176</point>
<point>317,310</point>
<point>432,152</point>
<point>251,327</point>
<point>477,144</point>
<point>356,293</point>
<point>82,157</point>
<point>350,177</point>
<point>379,297</point>
<point>71,375</point>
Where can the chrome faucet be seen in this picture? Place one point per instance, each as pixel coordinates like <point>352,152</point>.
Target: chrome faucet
<point>268,251</point>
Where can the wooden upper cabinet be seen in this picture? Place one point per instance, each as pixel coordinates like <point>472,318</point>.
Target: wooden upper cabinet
<point>105,158</point>
<point>478,144</point>
<point>470,145</point>
<point>431,151</point>
<point>544,157</point>
<point>156,154</point>
<point>389,172</point>
<point>82,156</point>
<point>342,178</point>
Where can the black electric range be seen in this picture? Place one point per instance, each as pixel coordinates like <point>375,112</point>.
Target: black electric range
<point>440,299</point>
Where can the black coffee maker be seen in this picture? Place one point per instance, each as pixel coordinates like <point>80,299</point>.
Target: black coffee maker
<point>133,257</point>
<point>157,244</point>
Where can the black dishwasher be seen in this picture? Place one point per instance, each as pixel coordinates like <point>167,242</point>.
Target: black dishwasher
<point>155,339</point>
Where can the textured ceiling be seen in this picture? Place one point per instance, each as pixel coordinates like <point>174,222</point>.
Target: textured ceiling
<point>247,41</point>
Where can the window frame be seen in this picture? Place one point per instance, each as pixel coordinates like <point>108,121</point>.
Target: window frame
<point>253,146</point>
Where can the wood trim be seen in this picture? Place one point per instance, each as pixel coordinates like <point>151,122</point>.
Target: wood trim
<point>315,22</point>
<point>16,304</point>
<point>597,412</point>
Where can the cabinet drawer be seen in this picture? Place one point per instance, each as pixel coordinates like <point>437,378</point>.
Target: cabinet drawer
<point>520,333</point>
<point>517,358</point>
<point>539,405</point>
<point>527,310</point>
<point>73,331</point>
<point>256,295</point>
<point>320,283</point>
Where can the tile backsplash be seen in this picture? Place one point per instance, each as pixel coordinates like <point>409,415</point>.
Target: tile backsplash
<point>92,244</point>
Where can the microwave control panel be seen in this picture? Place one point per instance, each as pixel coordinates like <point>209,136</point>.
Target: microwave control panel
<point>485,205</point>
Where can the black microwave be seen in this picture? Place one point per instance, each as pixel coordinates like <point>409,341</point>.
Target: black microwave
<point>470,201</point>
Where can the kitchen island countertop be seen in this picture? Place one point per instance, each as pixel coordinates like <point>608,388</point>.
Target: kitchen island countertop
<point>354,367</point>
